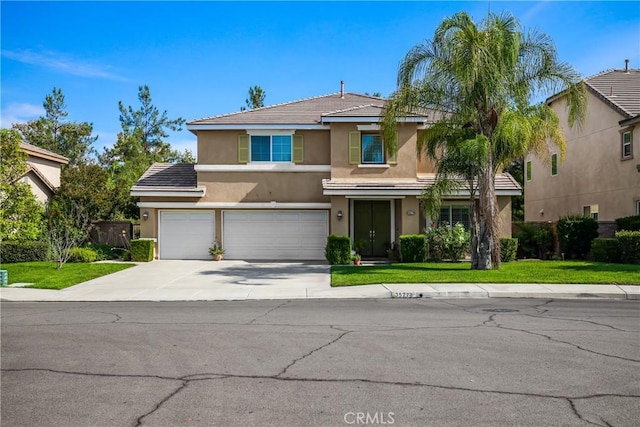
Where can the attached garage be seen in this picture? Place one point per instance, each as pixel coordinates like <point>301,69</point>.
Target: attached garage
<point>185,235</point>
<point>275,235</point>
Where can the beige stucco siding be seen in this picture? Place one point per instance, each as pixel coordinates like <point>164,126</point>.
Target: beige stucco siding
<point>593,172</point>
<point>48,168</point>
<point>42,193</point>
<point>220,147</point>
<point>404,169</point>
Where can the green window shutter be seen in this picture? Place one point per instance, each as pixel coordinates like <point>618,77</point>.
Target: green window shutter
<point>393,158</point>
<point>354,148</point>
<point>243,148</point>
<point>298,149</point>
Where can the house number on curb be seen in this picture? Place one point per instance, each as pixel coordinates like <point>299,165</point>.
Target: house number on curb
<point>405,295</point>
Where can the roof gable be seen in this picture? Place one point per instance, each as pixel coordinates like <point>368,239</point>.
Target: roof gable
<point>40,152</point>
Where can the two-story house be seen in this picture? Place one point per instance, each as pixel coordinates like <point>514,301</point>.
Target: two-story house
<point>43,171</point>
<point>273,182</point>
<point>601,174</point>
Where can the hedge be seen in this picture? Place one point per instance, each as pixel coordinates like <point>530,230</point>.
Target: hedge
<point>27,251</point>
<point>82,255</point>
<point>629,242</point>
<point>142,250</point>
<point>412,248</point>
<point>605,250</point>
<point>628,223</point>
<point>575,234</point>
<point>508,249</point>
<point>338,249</point>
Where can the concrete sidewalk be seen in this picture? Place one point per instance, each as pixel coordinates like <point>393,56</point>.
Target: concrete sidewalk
<point>241,280</point>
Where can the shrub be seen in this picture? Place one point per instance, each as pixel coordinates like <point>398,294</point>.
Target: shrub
<point>629,242</point>
<point>508,249</point>
<point>628,223</point>
<point>338,249</point>
<point>448,242</point>
<point>575,234</point>
<point>121,253</point>
<point>535,240</point>
<point>103,252</point>
<point>605,250</point>
<point>26,251</point>
<point>82,255</point>
<point>142,250</point>
<point>412,248</point>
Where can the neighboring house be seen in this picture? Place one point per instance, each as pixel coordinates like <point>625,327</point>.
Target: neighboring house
<point>273,182</point>
<point>601,174</point>
<point>43,171</point>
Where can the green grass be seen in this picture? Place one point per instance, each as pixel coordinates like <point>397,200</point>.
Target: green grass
<point>526,271</point>
<point>44,275</point>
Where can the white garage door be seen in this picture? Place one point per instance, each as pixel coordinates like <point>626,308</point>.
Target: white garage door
<point>185,235</point>
<point>284,235</point>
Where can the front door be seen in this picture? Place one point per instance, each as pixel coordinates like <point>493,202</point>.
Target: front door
<point>372,227</point>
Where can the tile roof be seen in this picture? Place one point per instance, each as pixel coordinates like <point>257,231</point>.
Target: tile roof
<point>309,111</point>
<point>168,176</point>
<point>41,152</point>
<point>619,88</point>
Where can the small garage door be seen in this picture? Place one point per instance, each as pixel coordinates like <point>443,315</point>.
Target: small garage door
<point>185,235</point>
<point>283,235</point>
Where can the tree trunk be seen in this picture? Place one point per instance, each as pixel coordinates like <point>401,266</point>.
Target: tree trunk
<point>474,217</point>
<point>488,219</point>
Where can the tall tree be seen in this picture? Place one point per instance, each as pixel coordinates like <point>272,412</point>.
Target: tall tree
<point>256,98</point>
<point>20,211</point>
<point>484,76</point>
<point>140,144</point>
<point>86,186</point>
<point>55,133</point>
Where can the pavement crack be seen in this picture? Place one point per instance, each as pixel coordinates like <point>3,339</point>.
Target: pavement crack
<point>568,343</point>
<point>577,320</point>
<point>304,356</point>
<point>268,312</point>
<point>162,402</point>
<point>579,415</point>
<point>537,306</point>
<point>90,374</point>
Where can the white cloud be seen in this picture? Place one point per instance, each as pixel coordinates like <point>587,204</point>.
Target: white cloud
<point>19,112</point>
<point>63,64</point>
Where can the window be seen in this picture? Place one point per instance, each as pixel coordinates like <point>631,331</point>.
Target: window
<point>637,207</point>
<point>454,214</point>
<point>271,148</point>
<point>529,171</point>
<point>626,145</point>
<point>591,211</point>
<point>554,164</point>
<point>372,149</point>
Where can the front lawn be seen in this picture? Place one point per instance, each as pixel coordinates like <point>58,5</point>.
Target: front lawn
<point>44,275</point>
<point>525,271</point>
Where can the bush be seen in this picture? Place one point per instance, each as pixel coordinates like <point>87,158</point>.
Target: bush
<point>508,249</point>
<point>628,223</point>
<point>338,249</point>
<point>629,242</point>
<point>605,250</point>
<point>142,250</point>
<point>82,255</point>
<point>103,252</point>
<point>448,242</point>
<point>575,234</point>
<point>535,240</point>
<point>26,251</point>
<point>412,248</point>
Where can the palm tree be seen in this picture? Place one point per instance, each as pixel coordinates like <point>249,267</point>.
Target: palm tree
<point>483,78</point>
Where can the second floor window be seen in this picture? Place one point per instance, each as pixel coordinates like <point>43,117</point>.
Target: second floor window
<point>372,149</point>
<point>270,148</point>
<point>626,145</point>
<point>554,164</point>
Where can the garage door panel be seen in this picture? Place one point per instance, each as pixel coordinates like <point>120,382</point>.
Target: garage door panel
<point>275,235</point>
<point>186,235</point>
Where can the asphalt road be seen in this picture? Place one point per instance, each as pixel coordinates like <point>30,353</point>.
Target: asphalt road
<point>486,362</point>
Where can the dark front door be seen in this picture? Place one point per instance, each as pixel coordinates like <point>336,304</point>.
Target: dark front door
<point>372,227</point>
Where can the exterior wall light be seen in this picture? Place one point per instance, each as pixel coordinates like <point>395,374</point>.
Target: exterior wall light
<point>339,215</point>
<point>145,215</point>
<point>411,213</point>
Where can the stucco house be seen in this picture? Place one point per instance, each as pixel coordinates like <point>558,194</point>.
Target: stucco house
<point>601,174</point>
<point>273,182</point>
<point>43,171</point>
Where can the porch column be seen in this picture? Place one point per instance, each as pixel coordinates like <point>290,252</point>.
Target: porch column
<point>410,215</point>
<point>339,226</point>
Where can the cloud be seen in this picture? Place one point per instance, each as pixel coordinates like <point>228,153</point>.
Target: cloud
<point>19,112</point>
<point>63,63</point>
<point>182,144</point>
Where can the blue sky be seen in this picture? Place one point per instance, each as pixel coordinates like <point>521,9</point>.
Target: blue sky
<point>200,58</point>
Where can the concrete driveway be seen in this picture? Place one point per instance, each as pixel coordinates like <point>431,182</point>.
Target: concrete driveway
<point>168,280</point>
